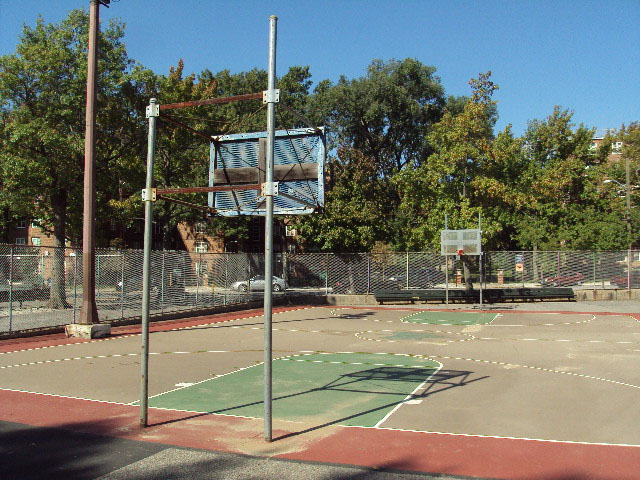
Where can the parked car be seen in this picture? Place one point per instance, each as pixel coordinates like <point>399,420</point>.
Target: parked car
<point>563,280</point>
<point>257,283</point>
<point>622,281</point>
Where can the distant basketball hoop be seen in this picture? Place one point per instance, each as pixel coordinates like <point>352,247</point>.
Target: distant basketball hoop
<point>461,242</point>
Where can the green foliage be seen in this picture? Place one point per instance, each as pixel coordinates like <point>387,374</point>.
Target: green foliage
<point>403,154</point>
<point>353,219</point>
<point>42,94</point>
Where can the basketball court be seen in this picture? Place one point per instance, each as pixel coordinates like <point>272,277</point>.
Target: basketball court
<point>494,394</point>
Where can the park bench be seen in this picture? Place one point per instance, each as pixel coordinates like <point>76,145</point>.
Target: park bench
<point>490,295</point>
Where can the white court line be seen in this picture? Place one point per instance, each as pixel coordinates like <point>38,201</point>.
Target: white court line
<point>61,396</point>
<point>475,435</point>
<point>410,396</point>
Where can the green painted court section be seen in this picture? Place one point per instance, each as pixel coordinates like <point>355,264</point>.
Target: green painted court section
<point>356,389</point>
<point>412,336</point>
<point>451,318</point>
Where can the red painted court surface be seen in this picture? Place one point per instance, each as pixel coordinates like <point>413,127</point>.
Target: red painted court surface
<point>492,394</point>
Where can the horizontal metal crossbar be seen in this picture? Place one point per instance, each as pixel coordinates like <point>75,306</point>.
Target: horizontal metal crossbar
<point>210,101</point>
<point>203,208</point>
<point>217,188</point>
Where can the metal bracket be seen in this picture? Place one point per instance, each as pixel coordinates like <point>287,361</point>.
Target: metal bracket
<point>153,110</point>
<point>269,189</point>
<point>149,195</point>
<point>271,96</point>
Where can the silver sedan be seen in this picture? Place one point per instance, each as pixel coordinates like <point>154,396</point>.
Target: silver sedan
<point>257,283</point>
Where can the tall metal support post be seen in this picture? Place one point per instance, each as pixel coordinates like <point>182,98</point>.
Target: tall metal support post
<point>89,311</point>
<point>153,111</point>
<point>271,98</point>
<point>480,260</point>
<point>446,268</point>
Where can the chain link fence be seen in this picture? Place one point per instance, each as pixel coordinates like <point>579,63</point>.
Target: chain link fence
<point>42,286</point>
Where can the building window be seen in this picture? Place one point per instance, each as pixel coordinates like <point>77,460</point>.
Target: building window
<point>35,241</point>
<point>21,241</point>
<point>201,246</point>
<point>616,147</point>
<point>22,224</point>
<point>113,225</point>
<point>291,232</point>
<point>201,227</point>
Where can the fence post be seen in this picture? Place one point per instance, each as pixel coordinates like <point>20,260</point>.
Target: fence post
<point>75,283</point>
<point>446,279</point>
<point>10,287</point>
<point>122,286</point>
<point>98,275</point>
<point>629,270</point>
<point>164,254</point>
<point>226,277</point>
<point>594,269</point>
<point>198,273</point>
<point>326,274</point>
<point>407,270</point>
<point>368,273</point>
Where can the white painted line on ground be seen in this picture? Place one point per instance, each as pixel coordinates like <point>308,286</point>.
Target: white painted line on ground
<point>500,437</point>
<point>408,397</point>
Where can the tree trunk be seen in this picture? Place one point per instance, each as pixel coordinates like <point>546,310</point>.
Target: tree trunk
<point>58,297</point>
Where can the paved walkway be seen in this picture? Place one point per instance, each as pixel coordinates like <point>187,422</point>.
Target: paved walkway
<point>36,452</point>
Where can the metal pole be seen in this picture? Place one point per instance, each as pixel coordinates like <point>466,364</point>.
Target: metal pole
<point>98,276</point>
<point>446,265</point>
<point>10,287</point>
<point>480,257</point>
<point>75,284</point>
<point>368,273</point>
<point>152,113</point>
<point>268,230</point>
<point>481,278</point>
<point>89,312</point>
<point>122,286</point>
<point>628,201</point>
<point>199,274</point>
<point>326,274</point>
<point>446,279</point>
<point>629,269</point>
<point>407,269</point>
<point>164,254</point>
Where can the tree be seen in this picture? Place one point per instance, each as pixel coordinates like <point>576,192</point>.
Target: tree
<point>379,123</point>
<point>559,184</point>
<point>42,96</point>
<point>453,179</point>
<point>351,220</point>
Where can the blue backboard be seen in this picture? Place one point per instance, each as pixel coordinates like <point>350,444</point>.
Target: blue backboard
<point>299,163</point>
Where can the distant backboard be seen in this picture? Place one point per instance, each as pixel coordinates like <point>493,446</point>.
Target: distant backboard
<point>453,241</point>
<point>240,159</point>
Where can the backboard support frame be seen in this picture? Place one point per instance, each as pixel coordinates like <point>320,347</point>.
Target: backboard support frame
<point>268,187</point>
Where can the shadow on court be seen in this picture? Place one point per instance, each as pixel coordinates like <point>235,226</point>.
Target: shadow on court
<point>276,321</point>
<point>381,382</point>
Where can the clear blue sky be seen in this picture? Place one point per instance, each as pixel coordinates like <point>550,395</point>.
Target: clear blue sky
<point>580,54</point>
